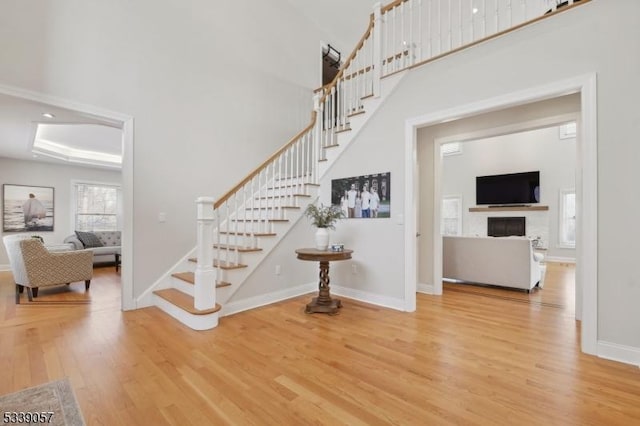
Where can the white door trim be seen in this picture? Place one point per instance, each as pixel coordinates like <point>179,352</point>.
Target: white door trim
<point>126,122</point>
<point>586,185</point>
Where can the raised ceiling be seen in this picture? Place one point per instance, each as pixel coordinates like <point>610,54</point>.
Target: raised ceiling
<point>79,135</point>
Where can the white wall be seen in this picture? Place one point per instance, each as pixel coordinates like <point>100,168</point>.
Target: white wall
<point>344,21</point>
<point>214,88</point>
<point>592,38</point>
<point>540,150</point>
<point>52,175</point>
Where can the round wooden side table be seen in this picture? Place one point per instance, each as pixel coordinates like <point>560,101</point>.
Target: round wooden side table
<point>323,303</point>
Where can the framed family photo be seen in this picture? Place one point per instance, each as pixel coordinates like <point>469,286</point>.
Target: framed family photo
<point>366,196</point>
<point>27,208</point>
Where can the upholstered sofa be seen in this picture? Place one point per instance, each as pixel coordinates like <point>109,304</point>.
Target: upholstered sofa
<point>502,261</point>
<point>33,266</point>
<point>105,246</point>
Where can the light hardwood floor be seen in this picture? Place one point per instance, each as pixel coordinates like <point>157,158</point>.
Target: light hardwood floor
<point>473,356</point>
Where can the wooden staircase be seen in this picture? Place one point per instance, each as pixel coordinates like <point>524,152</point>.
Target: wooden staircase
<point>238,230</point>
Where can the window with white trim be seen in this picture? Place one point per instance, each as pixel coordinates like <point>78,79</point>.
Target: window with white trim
<point>568,218</point>
<point>569,130</point>
<point>451,216</point>
<point>97,207</point>
<point>451,148</point>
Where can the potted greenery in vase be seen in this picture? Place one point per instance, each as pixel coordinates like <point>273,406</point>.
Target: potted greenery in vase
<point>324,218</point>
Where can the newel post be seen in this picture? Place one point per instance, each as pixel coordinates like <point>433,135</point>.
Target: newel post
<point>205,275</point>
<point>377,48</point>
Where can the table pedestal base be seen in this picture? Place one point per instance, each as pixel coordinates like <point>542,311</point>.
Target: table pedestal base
<point>330,308</point>
<point>323,304</point>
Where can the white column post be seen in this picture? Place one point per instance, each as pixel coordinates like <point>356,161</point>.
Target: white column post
<point>205,275</point>
<point>377,48</point>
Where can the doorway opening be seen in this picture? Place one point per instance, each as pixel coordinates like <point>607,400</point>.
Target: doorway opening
<point>586,191</point>
<point>331,62</point>
<point>76,113</point>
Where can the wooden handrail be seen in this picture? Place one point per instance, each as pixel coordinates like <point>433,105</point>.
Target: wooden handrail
<point>392,5</point>
<point>265,163</point>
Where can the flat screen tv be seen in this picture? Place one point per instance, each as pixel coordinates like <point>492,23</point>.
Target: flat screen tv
<point>512,188</point>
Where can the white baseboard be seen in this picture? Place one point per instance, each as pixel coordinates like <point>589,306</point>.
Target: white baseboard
<point>374,299</point>
<point>620,353</point>
<point>425,288</point>
<point>559,259</point>
<point>266,299</point>
<point>5,268</point>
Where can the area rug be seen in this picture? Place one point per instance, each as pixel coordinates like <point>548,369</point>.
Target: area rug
<point>55,397</point>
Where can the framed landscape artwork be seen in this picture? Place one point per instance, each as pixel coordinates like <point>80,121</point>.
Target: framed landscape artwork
<point>27,208</point>
<point>367,196</point>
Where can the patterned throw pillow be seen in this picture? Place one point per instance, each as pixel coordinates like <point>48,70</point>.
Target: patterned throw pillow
<point>88,239</point>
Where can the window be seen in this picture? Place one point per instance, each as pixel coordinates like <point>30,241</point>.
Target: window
<point>451,148</point>
<point>451,215</point>
<point>568,218</point>
<point>96,207</point>
<point>568,130</point>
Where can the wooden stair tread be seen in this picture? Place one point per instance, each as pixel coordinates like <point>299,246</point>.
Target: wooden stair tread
<point>241,249</point>
<point>280,207</point>
<point>295,176</point>
<point>223,266</point>
<point>190,278</point>
<point>346,129</point>
<point>294,185</point>
<point>184,301</point>
<point>269,197</point>
<point>260,220</point>
<point>353,114</point>
<point>335,145</point>
<point>367,97</point>
<point>249,234</point>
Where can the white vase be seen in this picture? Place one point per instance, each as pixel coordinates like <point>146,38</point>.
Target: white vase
<point>322,239</point>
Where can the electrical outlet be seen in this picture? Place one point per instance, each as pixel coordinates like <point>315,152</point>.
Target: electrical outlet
<point>277,269</point>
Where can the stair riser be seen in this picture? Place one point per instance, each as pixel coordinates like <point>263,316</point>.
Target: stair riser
<point>263,214</point>
<point>252,227</point>
<point>285,192</point>
<point>273,204</point>
<point>195,322</point>
<point>183,286</point>
<point>293,181</point>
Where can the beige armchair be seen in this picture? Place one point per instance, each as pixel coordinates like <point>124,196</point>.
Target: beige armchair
<point>33,266</point>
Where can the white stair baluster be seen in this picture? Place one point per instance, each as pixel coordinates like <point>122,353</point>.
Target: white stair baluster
<point>411,36</point>
<point>484,18</point>
<point>237,235</point>
<point>450,21</point>
<point>460,22</point>
<point>403,40</point>
<point>429,30</point>
<point>472,12</point>
<point>227,221</point>
<point>218,240</point>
